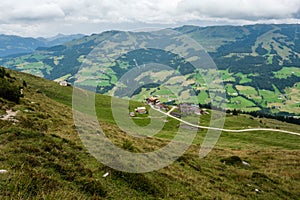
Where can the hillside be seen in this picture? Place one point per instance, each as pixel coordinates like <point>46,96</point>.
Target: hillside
<point>258,64</point>
<point>45,158</point>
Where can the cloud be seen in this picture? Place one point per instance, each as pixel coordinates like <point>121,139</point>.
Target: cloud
<point>116,11</point>
<point>39,12</point>
<point>240,9</point>
<point>32,10</point>
<point>39,17</point>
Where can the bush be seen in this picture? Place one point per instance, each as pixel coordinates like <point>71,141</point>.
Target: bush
<point>2,72</point>
<point>233,160</point>
<point>9,91</point>
<point>8,87</point>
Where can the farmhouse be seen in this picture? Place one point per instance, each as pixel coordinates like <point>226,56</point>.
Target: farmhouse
<point>141,110</point>
<point>204,112</point>
<point>152,101</point>
<point>64,83</point>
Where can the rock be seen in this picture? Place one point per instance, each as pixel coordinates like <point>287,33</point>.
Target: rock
<point>3,171</point>
<point>246,164</point>
<point>106,175</point>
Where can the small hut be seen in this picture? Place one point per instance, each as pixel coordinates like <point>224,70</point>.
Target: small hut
<point>141,110</point>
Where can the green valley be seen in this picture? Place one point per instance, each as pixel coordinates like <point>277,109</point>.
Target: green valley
<point>264,58</point>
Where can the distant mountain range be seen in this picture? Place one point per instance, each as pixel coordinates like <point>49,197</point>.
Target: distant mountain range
<point>259,64</point>
<point>14,45</point>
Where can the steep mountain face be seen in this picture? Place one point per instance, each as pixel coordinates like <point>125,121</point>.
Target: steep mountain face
<point>259,64</point>
<point>15,45</point>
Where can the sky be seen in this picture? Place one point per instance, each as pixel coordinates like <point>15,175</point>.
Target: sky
<point>49,17</point>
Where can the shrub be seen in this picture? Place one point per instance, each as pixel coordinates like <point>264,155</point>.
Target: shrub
<point>9,89</point>
<point>2,72</point>
<point>233,160</point>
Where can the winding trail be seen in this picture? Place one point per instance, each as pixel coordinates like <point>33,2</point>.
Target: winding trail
<point>172,109</point>
<point>226,130</point>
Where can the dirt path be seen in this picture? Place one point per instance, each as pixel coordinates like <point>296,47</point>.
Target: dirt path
<point>227,130</point>
<point>173,108</point>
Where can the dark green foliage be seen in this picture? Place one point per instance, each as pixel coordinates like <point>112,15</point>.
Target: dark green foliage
<point>235,112</point>
<point>146,56</point>
<point>147,86</point>
<point>243,45</point>
<point>57,48</point>
<point>292,33</point>
<point>281,116</point>
<point>9,88</point>
<point>233,160</point>
<point>260,50</point>
<point>24,84</point>
<point>265,82</point>
<point>2,72</point>
<point>104,89</point>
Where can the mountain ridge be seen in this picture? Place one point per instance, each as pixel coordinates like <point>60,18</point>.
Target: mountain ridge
<point>259,64</point>
<point>11,45</point>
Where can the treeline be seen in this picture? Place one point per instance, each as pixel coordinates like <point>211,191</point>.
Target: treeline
<point>150,55</point>
<point>264,78</point>
<point>284,117</point>
<point>292,34</point>
<point>244,44</point>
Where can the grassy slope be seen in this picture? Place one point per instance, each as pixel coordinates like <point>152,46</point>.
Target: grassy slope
<point>46,159</point>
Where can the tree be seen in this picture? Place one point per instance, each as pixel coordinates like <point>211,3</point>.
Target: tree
<point>2,72</point>
<point>235,112</point>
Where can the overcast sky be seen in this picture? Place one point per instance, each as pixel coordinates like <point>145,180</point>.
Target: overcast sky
<point>50,17</point>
